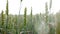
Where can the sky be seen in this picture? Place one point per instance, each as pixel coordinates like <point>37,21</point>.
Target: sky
<point>38,6</point>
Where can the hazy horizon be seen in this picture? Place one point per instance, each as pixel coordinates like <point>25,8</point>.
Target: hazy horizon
<point>38,6</point>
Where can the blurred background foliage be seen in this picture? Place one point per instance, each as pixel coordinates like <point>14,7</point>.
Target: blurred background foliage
<point>30,24</point>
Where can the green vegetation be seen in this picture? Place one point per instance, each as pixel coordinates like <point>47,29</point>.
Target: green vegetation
<point>58,23</point>
<point>24,24</point>
<point>7,17</point>
<point>25,20</point>
<point>2,18</point>
<point>46,17</point>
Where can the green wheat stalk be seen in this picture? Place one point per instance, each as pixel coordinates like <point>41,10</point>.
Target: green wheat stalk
<point>2,16</point>
<point>46,14</point>
<point>25,16</point>
<point>7,16</point>
<point>25,19</point>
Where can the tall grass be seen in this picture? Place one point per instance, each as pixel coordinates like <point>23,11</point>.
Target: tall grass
<point>2,18</point>
<point>58,23</point>
<point>2,21</point>
<point>50,4</point>
<point>17,19</point>
<point>31,20</point>
<point>46,14</point>
<point>25,17</point>
<point>7,16</point>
